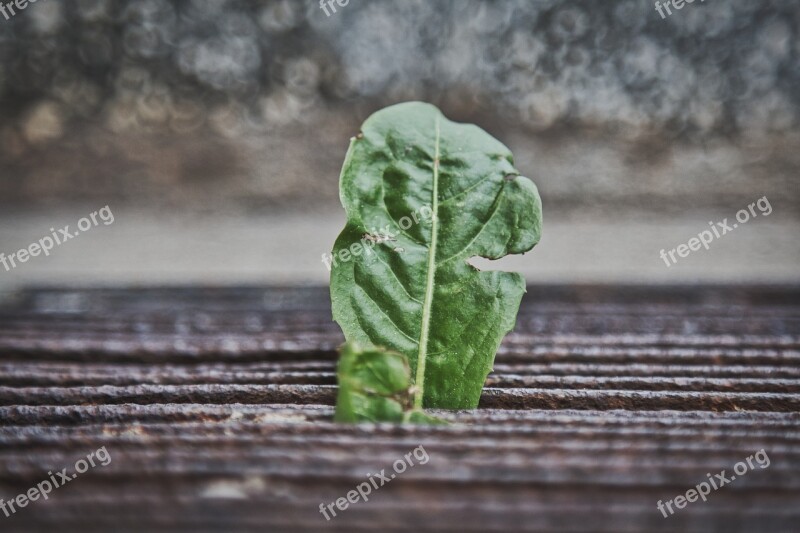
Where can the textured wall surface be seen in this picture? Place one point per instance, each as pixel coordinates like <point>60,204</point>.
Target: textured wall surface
<point>215,104</point>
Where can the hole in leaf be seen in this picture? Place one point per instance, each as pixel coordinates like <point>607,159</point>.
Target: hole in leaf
<point>509,263</point>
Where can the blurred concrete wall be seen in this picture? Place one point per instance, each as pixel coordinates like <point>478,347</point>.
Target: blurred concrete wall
<point>244,105</point>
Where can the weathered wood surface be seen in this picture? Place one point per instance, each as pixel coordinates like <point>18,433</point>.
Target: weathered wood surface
<point>216,404</point>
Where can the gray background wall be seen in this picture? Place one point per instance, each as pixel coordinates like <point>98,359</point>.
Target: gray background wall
<point>215,129</point>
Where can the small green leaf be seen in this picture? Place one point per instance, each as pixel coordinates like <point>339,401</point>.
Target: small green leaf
<point>422,196</point>
<point>375,386</point>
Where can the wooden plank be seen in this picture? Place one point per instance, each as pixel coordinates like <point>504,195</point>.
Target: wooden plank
<point>216,408</point>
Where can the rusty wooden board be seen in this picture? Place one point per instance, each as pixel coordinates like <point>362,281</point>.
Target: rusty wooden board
<point>215,405</point>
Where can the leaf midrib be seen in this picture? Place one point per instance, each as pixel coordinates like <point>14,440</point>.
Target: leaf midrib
<point>419,380</point>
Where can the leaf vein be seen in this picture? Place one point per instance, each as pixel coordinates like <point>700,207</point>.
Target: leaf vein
<point>394,274</point>
<point>495,207</point>
<point>383,312</point>
<point>429,278</point>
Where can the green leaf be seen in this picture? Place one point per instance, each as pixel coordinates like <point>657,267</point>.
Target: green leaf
<point>375,386</point>
<point>422,196</point>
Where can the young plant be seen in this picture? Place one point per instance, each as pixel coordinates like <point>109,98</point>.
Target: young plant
<point>375,386</point>
<point>423,195</point>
